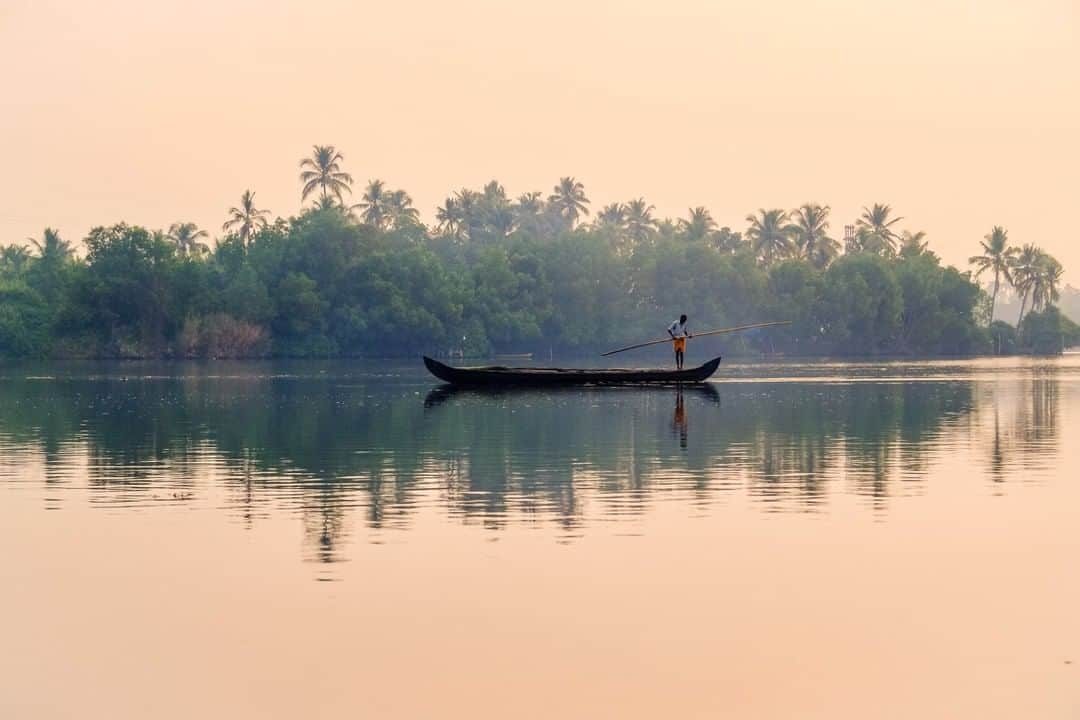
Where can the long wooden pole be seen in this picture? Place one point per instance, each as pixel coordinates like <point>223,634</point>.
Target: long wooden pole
<point>721,331</point>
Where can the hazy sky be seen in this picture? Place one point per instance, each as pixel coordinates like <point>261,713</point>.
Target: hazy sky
<point>960,113</point>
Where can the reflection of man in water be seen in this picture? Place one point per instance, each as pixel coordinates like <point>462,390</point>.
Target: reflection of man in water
<point>678,423</point>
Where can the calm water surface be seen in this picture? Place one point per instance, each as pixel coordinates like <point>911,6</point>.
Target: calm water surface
<point>339,539</point>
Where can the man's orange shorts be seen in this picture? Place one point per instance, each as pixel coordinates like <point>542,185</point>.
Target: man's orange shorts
<point>680,344</point>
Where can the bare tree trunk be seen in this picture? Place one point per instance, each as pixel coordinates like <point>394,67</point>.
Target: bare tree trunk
<point>1023,304</point>
<point>993,298</point>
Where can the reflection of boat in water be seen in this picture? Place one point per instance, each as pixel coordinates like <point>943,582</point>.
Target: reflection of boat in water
<point>443,393</point>
<point>499,376</point>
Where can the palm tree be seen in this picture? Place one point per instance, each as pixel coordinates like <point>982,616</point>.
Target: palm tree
<point>640,223</point>
<point>811,234</point>
<point>913,244</point>
<point>528,213</point>
<point>996,256</point>
<point>494,211</point>
<point>323,171</point>
<point>246,219</point>
<point>1023,269</point>
<point>1045,282</point>
<point>329,202</point>
<point>14,258</point>
<point>51,246</point>
<point>494,193</point>
<point>726,241</point>
<point>826,250</point>
<point>877,234</point>
<point>469,206</point>
<point>449,218</point>
<point>613,215</point>
<point>501,219</point>
<point>373,204</point>
<point>770,234</point>
<point>400,210</point>
<point>530,203</point>
<point>698,225</point>
<point>186,238</point>
<point>612,221</point>
<point>569,200</point>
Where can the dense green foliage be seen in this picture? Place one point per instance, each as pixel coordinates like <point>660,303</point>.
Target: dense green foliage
<point>496,275</point>
<point>1049,331</point>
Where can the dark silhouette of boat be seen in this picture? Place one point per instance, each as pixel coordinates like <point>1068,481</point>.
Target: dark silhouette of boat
<point>498,376</point>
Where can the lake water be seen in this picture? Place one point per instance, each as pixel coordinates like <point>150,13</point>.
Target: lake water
<point>856,540</point>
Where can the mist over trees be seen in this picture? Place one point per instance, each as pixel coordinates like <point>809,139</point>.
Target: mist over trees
<point>537,272</point>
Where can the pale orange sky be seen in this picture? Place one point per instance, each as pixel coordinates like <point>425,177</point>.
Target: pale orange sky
<point>960,113</point>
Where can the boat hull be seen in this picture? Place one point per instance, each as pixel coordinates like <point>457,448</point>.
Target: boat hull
<point>497,376</point>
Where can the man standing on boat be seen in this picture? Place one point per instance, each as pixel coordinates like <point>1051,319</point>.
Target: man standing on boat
<point>679,334</point>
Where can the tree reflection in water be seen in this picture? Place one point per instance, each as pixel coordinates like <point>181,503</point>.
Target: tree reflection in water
<point>329,446</point>
<point>1022,432</point>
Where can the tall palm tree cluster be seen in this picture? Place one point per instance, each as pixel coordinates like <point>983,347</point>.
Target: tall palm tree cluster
<point>491,214</point>
<point>803,233</point>
<point>51,248</point>
<point>1033,274</point>
<point>386,209</point>
<point>379,206</point>
<point>774,235</point>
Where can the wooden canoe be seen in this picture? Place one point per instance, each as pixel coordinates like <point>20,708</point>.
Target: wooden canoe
<point>496,376</point>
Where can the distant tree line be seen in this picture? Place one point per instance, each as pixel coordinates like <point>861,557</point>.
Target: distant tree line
<point>535,273</point>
